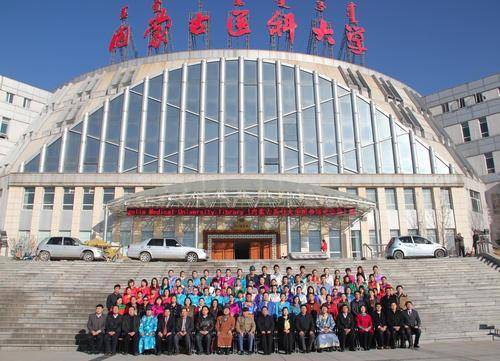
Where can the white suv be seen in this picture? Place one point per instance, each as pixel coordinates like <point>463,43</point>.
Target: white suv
<point>164,249</point>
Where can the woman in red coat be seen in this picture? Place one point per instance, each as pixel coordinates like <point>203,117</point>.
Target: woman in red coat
<point>365,328</point>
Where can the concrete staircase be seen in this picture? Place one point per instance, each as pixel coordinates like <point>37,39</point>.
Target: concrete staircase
<point>46,305</point>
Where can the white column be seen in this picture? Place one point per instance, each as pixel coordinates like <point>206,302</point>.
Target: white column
<point>123,131</point>
<point>144,119</point>
<point>163,122</point>
<point>182,125</point>
<point>43,155</point>
<point>357,136</point>
<point>62,150</point>
<point>338,128</point>
<point>395,146</point>
<point>104,129</point>
<point>414,152</point>
<point>260,92</point>
<point>241,114</point>
<point>203,100</point>
<point>222,113</point>
<point>373,114</point>
<point>319,122</point>
<point>83,143</point>
<point>281,140</point>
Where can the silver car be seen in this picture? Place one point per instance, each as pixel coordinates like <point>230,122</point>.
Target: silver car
<point>414,246</point>
<point>164,249</point>
<point>67,248</point>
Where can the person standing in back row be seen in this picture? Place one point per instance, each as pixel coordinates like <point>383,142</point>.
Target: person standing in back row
<point>459,245</point>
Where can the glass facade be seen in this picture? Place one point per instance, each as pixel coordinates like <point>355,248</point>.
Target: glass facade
<point>238,116</point>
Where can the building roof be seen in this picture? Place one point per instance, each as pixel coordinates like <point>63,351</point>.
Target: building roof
<point>236,193</point>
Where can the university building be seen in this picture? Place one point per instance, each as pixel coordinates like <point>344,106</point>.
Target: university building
<point>246,153</point>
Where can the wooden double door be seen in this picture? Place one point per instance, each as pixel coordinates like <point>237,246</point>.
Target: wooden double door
<point>244,248</point>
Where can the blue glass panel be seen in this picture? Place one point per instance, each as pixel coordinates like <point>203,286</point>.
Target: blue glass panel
<point>368,154</point>
<point>111,158</point>
<point>232,93</point>
<point>271,157</point>
<point>191,159</point>
<point>424,159</point>
<point>91,160</point>
<point>212,157</point>
<point>151,167</point>
<point>288,89</point>
<point>350,161</point>
<point>174,87</point>
<point>387,157</point>
<point>192,130</point>
<point>291,159</point>
<point>314,241</point>
<point>365,123</point>
<point>231,154</point>
<point>155,87</point>
<point>211,130</point>
<point>269,84</point>
<point>271,130</point>
<point>94,124</point>
<point>250,105</point>
<point>115,120</point>
<point>328,129</point>
<point>153,127</point>
<point>212,90</point>
<point>405,154</point>
<point>72,152</point>
<point>134,122</point>
<point>309,131</point>
<point>130,160</point>
<point>251,154</point>
<point>306,89</point>
<point>172,131</point>
<point>383,126</point>
<point>52,157</point>
<point>290,130</point>
<point>193,88</point>
<point>325,89</point>
<point>33,165</point>
<point>347,123</point>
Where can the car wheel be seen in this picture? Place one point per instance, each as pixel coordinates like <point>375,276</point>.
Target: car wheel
<point>192,257</point>
<point>398,255</point>
<point>88,256</point>
<point>44,256</point>
<point>145,257</point>
<point>439,253</point>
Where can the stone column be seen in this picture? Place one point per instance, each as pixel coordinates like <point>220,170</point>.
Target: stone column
<point>403,224</point>
<point>35,214</point>
<point>13,211</point>
<point>57,211</point>
<point>77,212</point>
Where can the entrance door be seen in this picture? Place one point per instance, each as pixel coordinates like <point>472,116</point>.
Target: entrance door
<point>222,249</point>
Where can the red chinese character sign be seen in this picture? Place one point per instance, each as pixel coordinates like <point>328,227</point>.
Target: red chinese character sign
<point>121,40</point>
<point>282,23</point>
<point>199,28</point>
<point>321,40</point>
<point>158,31</point>
<point>353,45</point>
<point>238,24</point>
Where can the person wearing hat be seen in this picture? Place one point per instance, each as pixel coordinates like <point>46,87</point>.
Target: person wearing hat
<point>252,276</point>
<point>147,331</point>
<point>225,326</point>
<point>245,326</point>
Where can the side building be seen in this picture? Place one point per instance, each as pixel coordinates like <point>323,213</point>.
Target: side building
<point>469,114</point>
<point>288,148</point>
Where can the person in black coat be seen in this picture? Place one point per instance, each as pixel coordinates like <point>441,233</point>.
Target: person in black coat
<point>113,330</point>
<point>285,327</point>
<point>130,331</point>
<point>304,324</point>
<point>345,327</point>
<point>111,299</point>
<point>175,309</point>
<point>388,299</point>
<point>165,333</point>
<point>184,327</point>
<point>204,327</point>
<point>394,324</point>
<point>411,323</point>
<point>265,326</point>
<point>380,327</point>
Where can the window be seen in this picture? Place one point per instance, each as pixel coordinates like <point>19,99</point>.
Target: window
<point>431,235</point>
<point>422,240</point>
<point>296,241</point>
<point>335,244</point>
<point>69,241</point>
<point>475,198</point>
<point>413,232</point>
<point>48,198</point>
<point>88,199</point>
<point>406,240</point>
<point>129,190</point>
<point>156,242</point>
<point>352,191</point>
<point>445,107</point>
<point>409,198</point>
<point>26,103</point>
<point>314,241</point>
<point>490,162</point>
<point>394,233</point>
<point>9,98</point>
<point>356,244</point>
<point>68,199</point>
<point>371,195</point>
<point>85,236</point>
<point>428,199</point>
<point>171,243</point>
<point>189,239</point>
<point>461,103</point>
<point>466,132</point>
<point>479,97</point>
<point>108,195</point>
<point>446,201</point>
<point>55,241</point>
<point>390,198</point>
<point>483,125</point>
<point>29,197</point>
<point>4,126</point>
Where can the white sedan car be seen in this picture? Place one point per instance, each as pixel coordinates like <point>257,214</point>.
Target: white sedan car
<point>164,249</point>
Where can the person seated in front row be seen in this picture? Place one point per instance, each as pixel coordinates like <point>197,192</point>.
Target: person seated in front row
<point>225,326</point>
<point>304,325</point>
<point>113,330</point>
<point>411,325</point>
<point>204,327</point>
<point>96,326</point>
<point>285,328</point>
<point>345,327</point>
<point>245,326</point>
<point>130,332</point>
<point>147,331</point>
<point>165,333</point>
<point>184,327</point>
<point>325,326</point>
<point>394,325</point>
<point>265,325</point>
<point>364,324</point>
<point>380,328</point>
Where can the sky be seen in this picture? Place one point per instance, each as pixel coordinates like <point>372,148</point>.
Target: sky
<point>428,44</point>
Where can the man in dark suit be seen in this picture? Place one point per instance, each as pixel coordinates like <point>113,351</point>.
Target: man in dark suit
<point>304,325</point>
<point>345,327</point>
<point>130,331</point>
<point>113,330</point>
<point>380,327</point>
<point>96,326</point>
<point>265,326</point>
<point>411,325</point>
<point>394,323</point>
<point>388,299</point>
<point>165,333</point>
<point>111,299</point>
<point>184,327</point>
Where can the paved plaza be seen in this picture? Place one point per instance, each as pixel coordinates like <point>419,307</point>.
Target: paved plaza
<point>462,351</point>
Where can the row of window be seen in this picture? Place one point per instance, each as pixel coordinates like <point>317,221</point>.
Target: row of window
<point>409,199</point>
<point>9,98</point>
<point>483,126</point>
<point>4,127</point>
<point>467,101</point>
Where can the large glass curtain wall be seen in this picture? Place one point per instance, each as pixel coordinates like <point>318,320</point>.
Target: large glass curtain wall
<point>237,116</point>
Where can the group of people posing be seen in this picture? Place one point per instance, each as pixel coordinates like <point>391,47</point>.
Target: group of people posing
<point>274,311</point>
